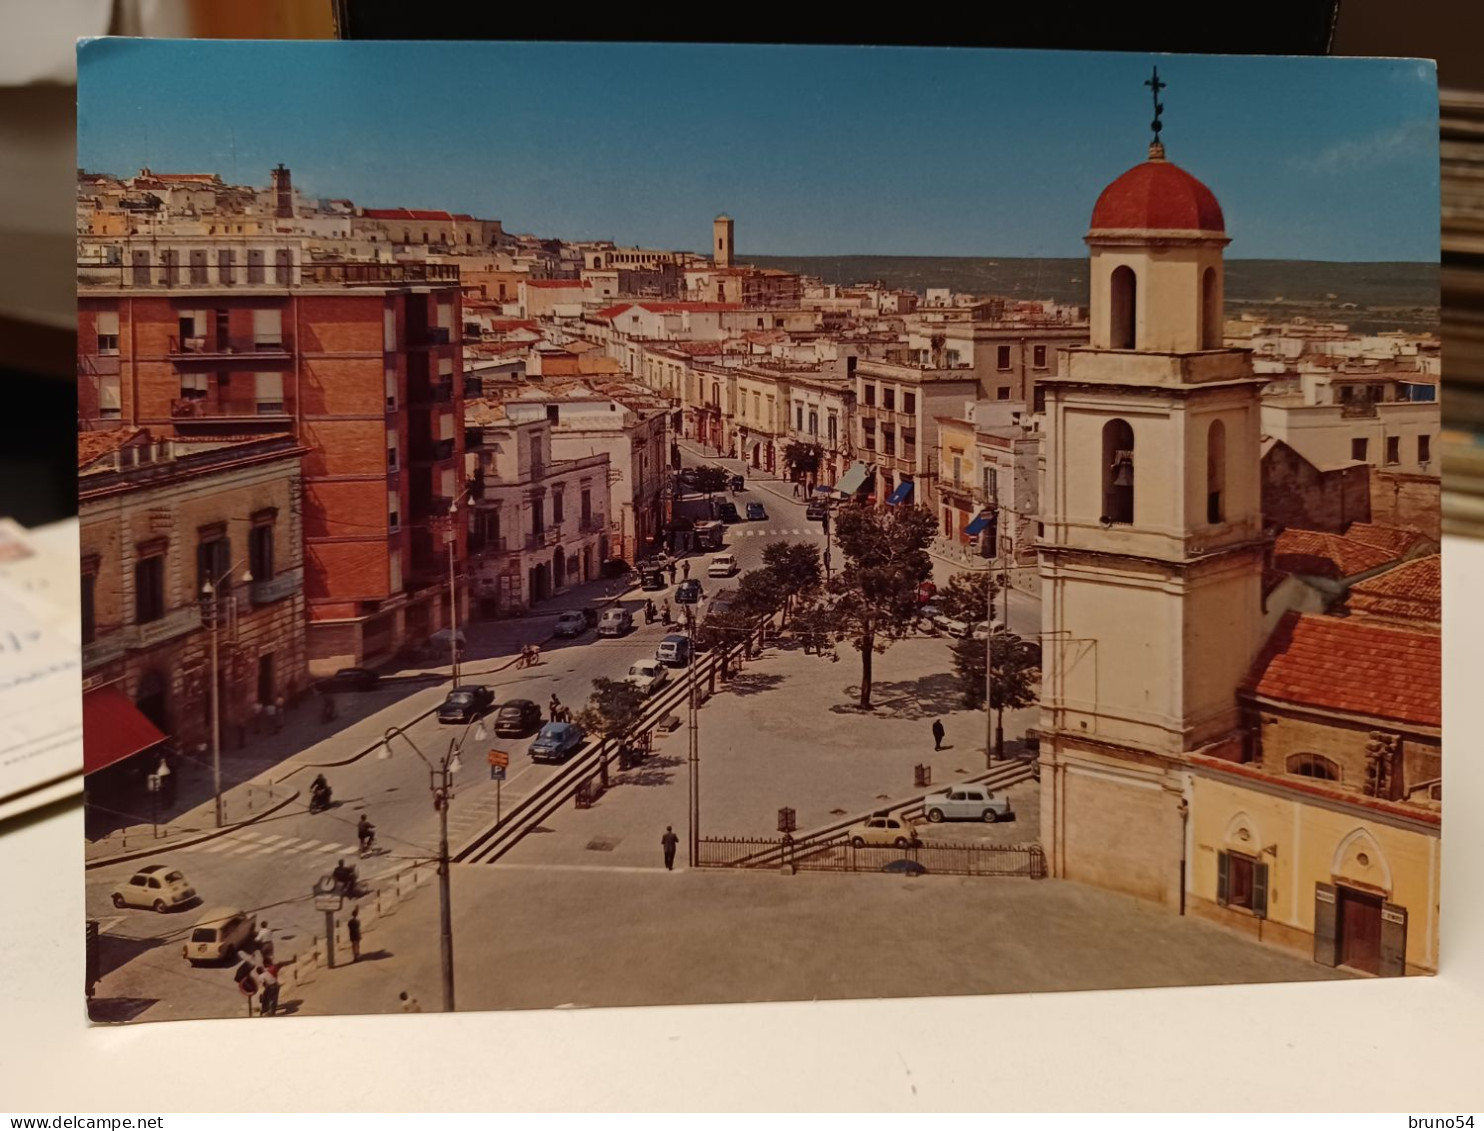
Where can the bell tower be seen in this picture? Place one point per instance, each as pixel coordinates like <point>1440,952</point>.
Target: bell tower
<point>722,234</point>
<point>1152,558</point>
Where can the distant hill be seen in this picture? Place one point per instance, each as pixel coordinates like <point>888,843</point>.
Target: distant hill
<point>1386,295</point>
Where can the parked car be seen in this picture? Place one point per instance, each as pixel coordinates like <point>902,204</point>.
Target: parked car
<point>817,510</point>
<point>516,718</point>
<point>351,679</point>
<point>570,624</point>
<point>556,743</point>
<point>984,628</point>
<point>948,626</point>
<point>727,513</point>
<point>688,592</point>
<point>883,829</point>
<point>217,935</point>
<point>648,675</point>
<point>756,513</point>
<point>736,483</point>
<point>615,622</point>
<point>467,703</point>
<point>966,803</point>
<point>652,577</point>
<point>674,651</point>
<point>722,565</point>
<point>156,885</point>
<point>688,476</point>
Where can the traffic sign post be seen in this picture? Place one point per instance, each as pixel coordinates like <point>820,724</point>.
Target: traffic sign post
<point>499,761</point>
<point>327,899</point>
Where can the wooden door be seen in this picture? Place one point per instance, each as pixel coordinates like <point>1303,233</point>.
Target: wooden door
<point>1360,930</point>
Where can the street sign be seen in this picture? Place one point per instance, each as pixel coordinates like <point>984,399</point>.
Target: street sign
<point>327,902</point>
<point>497,773</point>
<point>499,758</point>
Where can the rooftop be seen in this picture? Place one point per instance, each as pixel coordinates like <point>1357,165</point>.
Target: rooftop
<point>1316,554</point>
<point>1412,592</point>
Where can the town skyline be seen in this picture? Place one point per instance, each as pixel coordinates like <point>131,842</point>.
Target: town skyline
<point>639,177</point>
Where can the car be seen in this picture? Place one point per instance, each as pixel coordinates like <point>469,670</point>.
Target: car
<point>648,675</point>
<point>517,717</point>
<point>157,886</point>
<point>948,626</point>
<point>218,934</point>
<point>722,565</point>
<point>615,622</point>
<point>688,476</point>
<point>883,829</point>
<point>674,651</point>
<point>570,624</point>
<point>556,743</point>
<point>652,577</point>
<point>817,510</point>
<point>985,627</point>
<point>467,703</point>
<point>727,513</point>
<point>351,679</point>
<point>966,803</point>
<point>736,483</point>
<point>756,513</point>
<point>688,592</point>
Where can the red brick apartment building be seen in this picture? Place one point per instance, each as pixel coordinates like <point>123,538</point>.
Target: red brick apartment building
<point>361,362</point>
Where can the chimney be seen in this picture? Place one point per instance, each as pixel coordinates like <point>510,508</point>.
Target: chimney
<point>283,193</point>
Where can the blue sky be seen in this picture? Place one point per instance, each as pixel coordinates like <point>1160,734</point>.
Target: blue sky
<point>813,150</point>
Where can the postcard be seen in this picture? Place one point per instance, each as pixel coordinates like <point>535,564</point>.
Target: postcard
<point>594,525</point>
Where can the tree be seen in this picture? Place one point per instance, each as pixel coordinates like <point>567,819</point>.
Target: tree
<point>967,597</point>
<point>796,567</point>
<point>802,458</point>
<point>1015,674</point>
<point>874,597</point>
<point>612,712</point>
<point>710,480</point>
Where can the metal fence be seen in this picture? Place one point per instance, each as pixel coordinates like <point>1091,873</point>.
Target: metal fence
<point>839,855</point>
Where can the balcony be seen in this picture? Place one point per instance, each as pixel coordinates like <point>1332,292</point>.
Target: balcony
<point>213,350</point>
<point>593,524</point>
<point>376,274</point>
<point>540,539</point>
<point>104,649</point>
<point>286,584</point>
<point>437,336</point>
<point>186,408</point>
<point>1350,409</point>
<point>422,392</point>
<point>178,622</point>
<point>432,451</point>
<point>482,544</point>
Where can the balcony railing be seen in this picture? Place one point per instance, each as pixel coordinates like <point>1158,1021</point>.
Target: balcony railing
<point>480,544</point>
<point>103,649</point>
<point>286,584</point>
<point>204,347</point>
<point>1357,408</point>
<point>200,407</point>
<point>437,393</point>
<point>432,451</point>
<point>593,524</point>
<point>540,539</point>
<point>178,622</point>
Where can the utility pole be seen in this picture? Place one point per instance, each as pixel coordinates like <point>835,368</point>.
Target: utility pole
<point>989,747</point>
<point>453,600</point>
<point>693,758</point>
<point>445,908</point>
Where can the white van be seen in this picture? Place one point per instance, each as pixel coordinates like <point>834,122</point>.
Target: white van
<point>722,565</point>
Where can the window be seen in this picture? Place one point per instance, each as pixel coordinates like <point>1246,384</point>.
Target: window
<point>223,331</point>
<point>1393,449</point>
<point>1424,449</point>
<point>889,441</point>
<point>391,388</point>
<point>889,399</point>
<point>89,614</point>
<point>814,423</point>
<point>909,403</point>
<point>1215,472</point>
<point>958,471</point>
<point>538,515</point>
<point>586,502</point>
<point>558,505</point>
<point>991,485</point>
<point>1118,472</point>
<point>868,435</point>
<point>954,359</point>
<point>1242,881</point>
<point>1038,357</point>
<point>1002,358</point>
<point>799,417</point>
<point>394,572</point>
<point>260,551</point>
<point>255,265</point>
<point>109,405</point>
<point>1210,311</point>
<point>1122,309</point>
<point>198,266</point>
<point>214,560</point>
<point>832,428</point>
<point>225,266</point>
<point>1038,398</point>
<point>1002,393</point>
<point>283,266</point>
<point>389,329</point>
<point>1313,766</point>
<point>391,449</point>
<point>107,325</point>
<point>757,406</point>
<point>267,329</point>
<point>909,443</point>
<point>269,393</point>
<point>193,386</point>
<point>1358,448</point>
<point>871,395</point>
<point>393,511</point>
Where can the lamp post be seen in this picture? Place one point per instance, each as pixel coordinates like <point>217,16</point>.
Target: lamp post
<point>209,600</point>
<point>452,539</point>
<point>693,757</point>
<point>440,786</point>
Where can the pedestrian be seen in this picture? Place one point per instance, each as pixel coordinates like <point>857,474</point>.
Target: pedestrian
<point>409,1003</point>
<point>268,998</point>
<point>671,569</point>
<point>257,718</point>
<point>278,706</point>
<point>665,609</point>
<point>353,932</point>
<point>685,569</point>
<point>937,734</point>
<point>554,708</point>
<point>796,488</point>
<point>669,841</point>
<point>265,941</point>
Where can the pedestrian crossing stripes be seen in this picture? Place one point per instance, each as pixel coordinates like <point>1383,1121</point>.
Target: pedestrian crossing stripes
<point>250,842</point>
<point>796,531</point>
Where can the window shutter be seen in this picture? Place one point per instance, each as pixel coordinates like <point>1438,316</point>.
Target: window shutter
<point>1260,890</point>
<point>267,327</point>
<point>389,329</point>
<point>1223,877</point>
<point>269,387</point>
<point>445,426</point>
<point>1326,934</point>
<point>108,393</point>
<point>108,322</point>
<point>1393,941</point>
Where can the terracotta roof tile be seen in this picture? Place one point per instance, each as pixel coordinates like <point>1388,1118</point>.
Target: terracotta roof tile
<point>1411,592</point>
<point>1353,665</point>
<point>1398,539</point>
<point>1327,555</point>
<point>558,284</point>
<point>93,446</point>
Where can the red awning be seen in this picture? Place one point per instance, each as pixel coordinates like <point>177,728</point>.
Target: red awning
<point>113,729</point>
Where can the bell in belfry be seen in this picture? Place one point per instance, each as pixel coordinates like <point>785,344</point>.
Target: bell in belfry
<point>1124,470</point>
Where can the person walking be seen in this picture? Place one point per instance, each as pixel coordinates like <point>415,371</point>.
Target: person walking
<point>278,710</point>
<point>353,932</point>
<point>669,841</point>
<point>554,708</point>
<point>265,942</point>
<point>268,998</point>
<point>409,1003</point>
<point>685,569</point>
<point>796,488</point>
<point>671,569</point>
<point>937,734</point>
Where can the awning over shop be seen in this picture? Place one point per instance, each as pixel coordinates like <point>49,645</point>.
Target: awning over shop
<point>113,729</point>
<point>978,525</point>
<point>854,478</point>
<point>901,494</point>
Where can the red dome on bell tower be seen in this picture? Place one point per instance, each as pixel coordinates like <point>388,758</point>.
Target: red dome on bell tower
<point>1157,196</point>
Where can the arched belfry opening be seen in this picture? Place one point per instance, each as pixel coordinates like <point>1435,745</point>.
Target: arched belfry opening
<point>1211,315</point>
<point>1118,472</point>
<point>1123,295</point>
<point>1216,473</point>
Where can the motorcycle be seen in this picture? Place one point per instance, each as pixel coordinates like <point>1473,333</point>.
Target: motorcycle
<point>346,881</point>
<point>319,799</point>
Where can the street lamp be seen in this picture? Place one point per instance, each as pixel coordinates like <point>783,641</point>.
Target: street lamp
<point>452,538</point>
<point>440,785</point>
<point>693,753</point>
<point>209,600</point>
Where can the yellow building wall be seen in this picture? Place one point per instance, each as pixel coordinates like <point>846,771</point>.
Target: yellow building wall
<point>1314,844</point>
